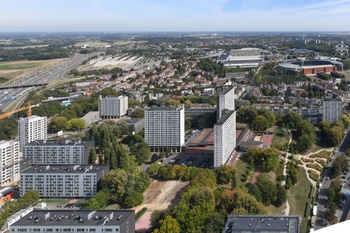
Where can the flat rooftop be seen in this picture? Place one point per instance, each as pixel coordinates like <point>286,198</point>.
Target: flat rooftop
<point>247,224</point>
<point>59,142</point>
<point>65,169</point>
<point>162,108</point>
<point>224,118</point>
<point>76,218</point>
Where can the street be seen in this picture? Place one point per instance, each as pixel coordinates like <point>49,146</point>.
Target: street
<point>322,200</point>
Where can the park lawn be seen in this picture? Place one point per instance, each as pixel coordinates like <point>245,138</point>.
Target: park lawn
<point>297,199</point>
<point>56,201</point>
<point>241,167</point>
<point>273,210</point>
<point>279,138</point>
<point>112,207</point>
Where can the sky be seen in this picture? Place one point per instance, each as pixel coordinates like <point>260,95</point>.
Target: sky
<point>174,15</point>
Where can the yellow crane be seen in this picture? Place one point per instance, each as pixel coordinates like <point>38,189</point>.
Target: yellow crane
<point>28,108</point>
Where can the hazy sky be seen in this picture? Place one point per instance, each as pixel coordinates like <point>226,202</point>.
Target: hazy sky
<point>174,15</point>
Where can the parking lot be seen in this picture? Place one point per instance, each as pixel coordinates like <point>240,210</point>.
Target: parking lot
<point>198,157</point>
<point>65,206</point>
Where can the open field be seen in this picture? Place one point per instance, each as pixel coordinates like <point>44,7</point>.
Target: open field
<point>298,200</point>
<point>122,42</point>
<point>28,46</point>
<point>161,194</point>
<point>19,66</point>
<point>91,43</point>
<point>17,69</point>
<point>280,137</point>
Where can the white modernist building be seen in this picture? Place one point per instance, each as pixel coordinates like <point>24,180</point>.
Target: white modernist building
<point>245,57</point>
<point>332,110</point>
<point>224,138</point>
<point>65,181</point>
<point>31,129</point>
<point>58,151</point>
<point>99,221</point>
<point>9,166</point>
<point>165,128</point>
<point>112,106</point>
<point>226,100</point>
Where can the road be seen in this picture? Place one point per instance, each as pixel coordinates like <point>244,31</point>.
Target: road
<point>45,75</point>
<point>322,200</point>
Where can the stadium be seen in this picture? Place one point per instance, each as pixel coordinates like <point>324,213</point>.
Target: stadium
<point>312,67</point>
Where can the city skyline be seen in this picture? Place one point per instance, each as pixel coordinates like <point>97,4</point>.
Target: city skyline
<point>180,15</point>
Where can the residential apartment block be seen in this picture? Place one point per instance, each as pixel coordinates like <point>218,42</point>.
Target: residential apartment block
<point>10,165</point>
<point>65,181</point>
<point>31,129</point>
<point>332,110</point>
<point>100,221</point>
<point>224,138</point>
<point>226,100</point>
<point>58,151</point>
<point>165,128</point>
<point>112,106</point>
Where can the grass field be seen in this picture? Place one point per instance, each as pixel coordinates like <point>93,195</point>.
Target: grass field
<point>241,170</point>
<point>112,207</point>
<point>17,69</point>
<point>91,43</point>
<point>297,200</point>
<point>279,138</point>
<point>19,66</point>
<point>54,201</point>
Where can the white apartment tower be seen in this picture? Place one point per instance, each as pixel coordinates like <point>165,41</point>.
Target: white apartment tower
<point>224,138</point>
<point>112,106</point>
<point>332,110</point>
<point>9,166</point>
<point>226,100</point>
<point>32,128</point>
<point>165,128</point>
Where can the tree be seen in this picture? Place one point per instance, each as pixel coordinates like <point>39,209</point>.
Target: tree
<point>188,103</point>
<point>260,123</point>
<point>335,135</point>
<point>76,124</point>
<point>173,102</point>
<point>133,198</point>
<point>58,123</point>
<point>169,225</point>
<point>138,113</point>
<point>8,128</point>
<point>291,120</point>
<point>92,156</point>
<point>340,164</point>
<point>281,195</point>
<point>234,183</point>
<point>225,174</point>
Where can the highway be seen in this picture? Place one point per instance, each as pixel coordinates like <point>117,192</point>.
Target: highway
<point>9,97</point>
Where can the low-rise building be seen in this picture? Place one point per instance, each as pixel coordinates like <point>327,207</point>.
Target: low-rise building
<point>100,221</point>
<point>135,124</point>
<point>262,223</point>
<point>63,181</point>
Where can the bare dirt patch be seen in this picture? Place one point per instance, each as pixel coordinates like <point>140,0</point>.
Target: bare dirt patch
<point>161,194</point>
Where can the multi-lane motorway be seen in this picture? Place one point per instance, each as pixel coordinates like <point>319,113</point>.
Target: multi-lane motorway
<point>9,97</point>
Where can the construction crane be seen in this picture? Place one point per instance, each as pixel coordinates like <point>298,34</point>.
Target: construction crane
<point>28,108</point>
